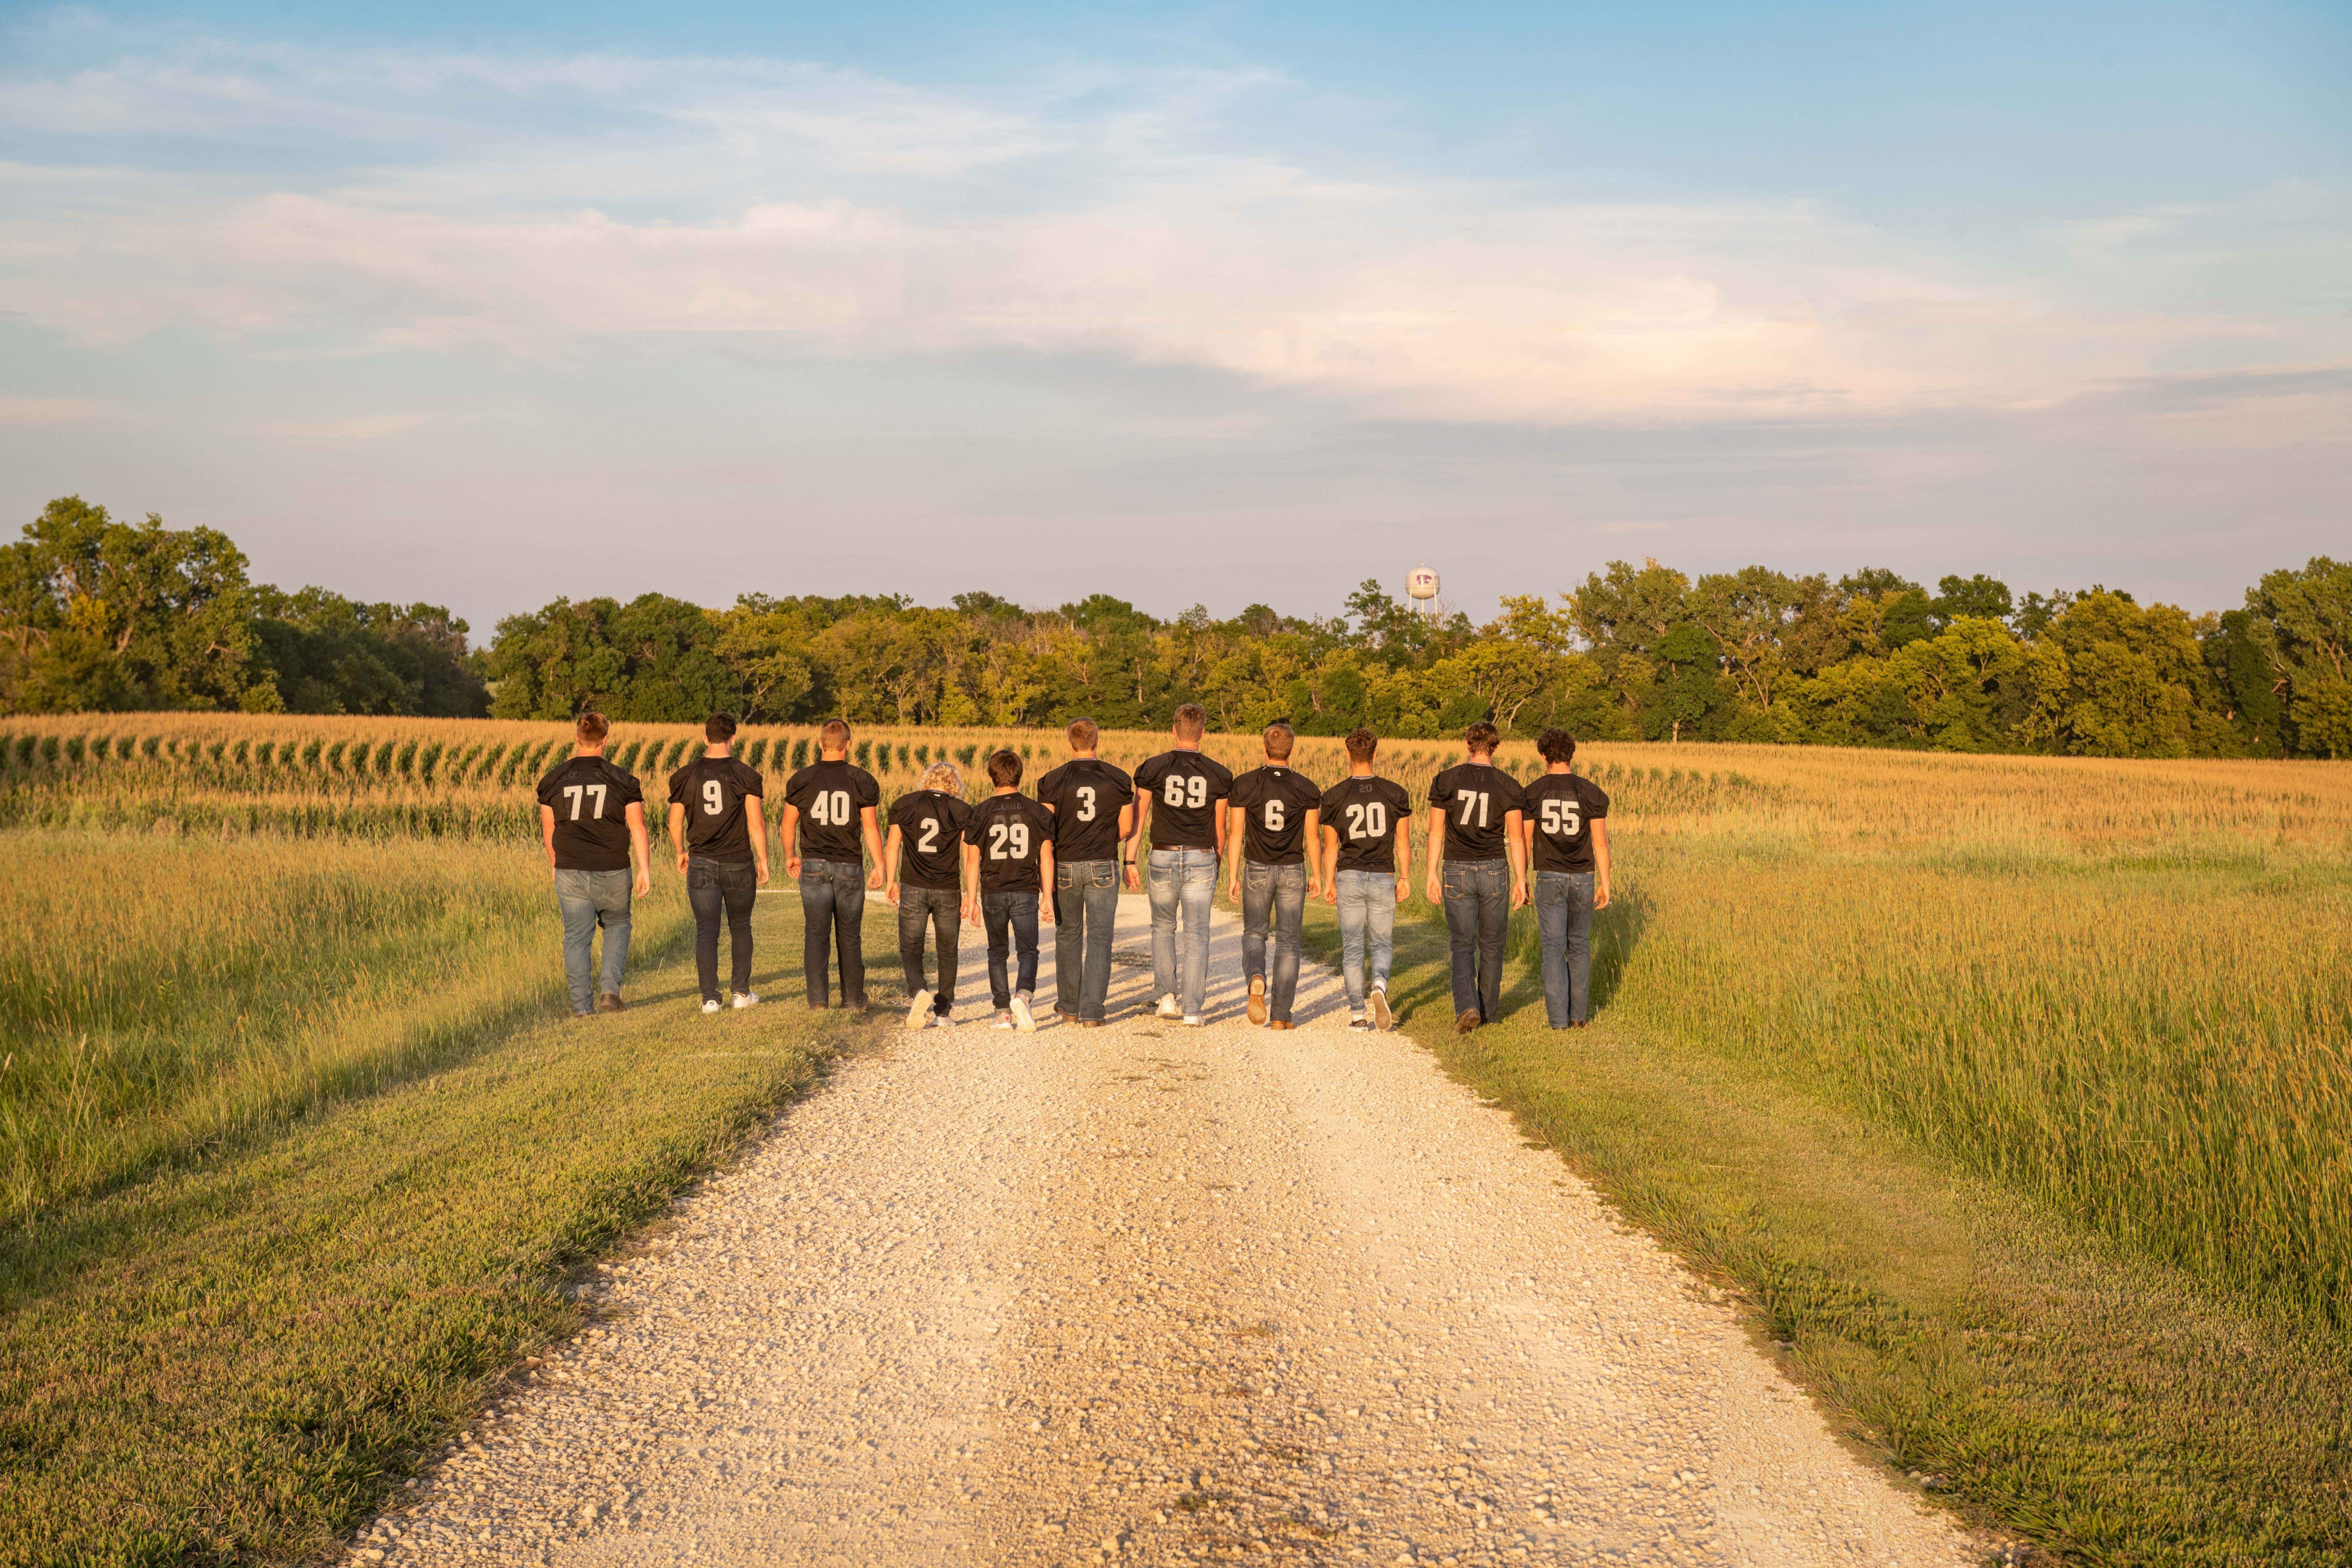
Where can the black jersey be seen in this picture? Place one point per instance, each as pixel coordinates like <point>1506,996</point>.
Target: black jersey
<point>591,799</point>
<point>1184,787</point>
<point>830,796</point>
<point>931,823</point>
<point>1475,798</point>
<point>1085,794</point>
<point>1275,801</point>
<point>1562,808</point>
<point>1012,831</point>
<point>1364,813</point>
<point>713,790</point>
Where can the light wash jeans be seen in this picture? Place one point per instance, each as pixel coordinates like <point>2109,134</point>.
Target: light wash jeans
<point>1367,909</point>
<point>1564,920</point>
<point>1183,880</point>
<point>1086,907</point>
<point>588,899</point>
<point>1478,924</point>
<point>1273,901</point>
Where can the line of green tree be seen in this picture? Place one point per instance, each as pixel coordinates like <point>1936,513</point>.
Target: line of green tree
<point>96,614</point>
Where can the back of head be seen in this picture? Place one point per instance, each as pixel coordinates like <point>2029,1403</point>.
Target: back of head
<point>1005,769</point>
<point>1279,738</point>
<point>834,736</point>
<point>1556,745</point>
<point>1191,723</point>
<point>591,727</point>
<point>1361,745</point>
<point>1084,735</point>
<point>942,777</point>
<point>1482,738</point>
<point>718,729</point>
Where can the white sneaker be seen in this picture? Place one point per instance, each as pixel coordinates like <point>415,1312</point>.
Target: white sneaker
<point>747,998</point>
<point>1168,1008</point>
<point>943,1021</point>
<point>1382,1017</point>
<point>919,1011</point>
<point>1021,1019</point>
<point>708,1007</point>
<point>1193,1020</point>
<point>1005,1019</point>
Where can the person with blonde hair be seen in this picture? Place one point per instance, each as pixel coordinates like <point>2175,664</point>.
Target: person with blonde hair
<point>925,858</point>
<point>591,819</point>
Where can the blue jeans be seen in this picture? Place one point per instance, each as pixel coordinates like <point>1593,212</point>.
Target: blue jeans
<point>941,910</point>
<point>718,889</point>
<point>1012,918</point>
<point>1367,909</point>
<point>1086,907</point>
<point>1564,920</point>
<point>833,914</point>
<point>1477,920</point>
<point>588,899</point>
<point>1183,879</point>
<point>1274,897</point>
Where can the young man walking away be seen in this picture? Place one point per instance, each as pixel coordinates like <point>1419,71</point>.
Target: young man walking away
<point>1093,805</point>
<point>925,854</point>
<point>722,850</point>
<point>1473,824</point>
<point>592,817</point>
<point>1563,818</point>
<point>1272,853</point>
<point>1182,794</point>
<point>1367,828</point>
<point>831,803</point>
<point>1008,859</point>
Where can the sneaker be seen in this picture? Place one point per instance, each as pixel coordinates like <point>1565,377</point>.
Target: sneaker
<point>1168,1008</point>
<point>747,999</point>
<point>1466,1022</point>
<point>1193,1020</point>
<point>710,1003</point>
<point>1360,1024</point>
<point>1023,1019</point>
<point>943,1021</point>
<point>1005,1019</point>
<point>610,1003</point>
<point>920,1010</point>
<point>1381,1017</point>
<point>1257,999</point>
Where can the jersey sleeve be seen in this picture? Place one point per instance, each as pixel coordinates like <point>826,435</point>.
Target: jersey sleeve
<point>1596,801</point>
<point>1513,793</point>
<point>1147,777</point>
<point>1241,794</point>
<point>632,792</point>
<point>796,791</point>
<point>1221,779</point>
<point>1122,786</point>
<point>864,789</point>
<point>971,829</point>
<point>1399,802</point>
<point>1441,788</point>
<point>547,791</point>
<point>680,791</point>
<point>749,779</point>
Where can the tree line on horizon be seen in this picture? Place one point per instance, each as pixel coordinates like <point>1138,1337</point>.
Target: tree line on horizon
<point>100,614</point>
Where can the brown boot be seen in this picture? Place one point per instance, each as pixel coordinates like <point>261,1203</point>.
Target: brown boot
<point>610,1003</point>
<point>1467,1021</point>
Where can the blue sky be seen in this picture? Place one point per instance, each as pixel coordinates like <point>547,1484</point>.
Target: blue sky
<point>1219,303</point>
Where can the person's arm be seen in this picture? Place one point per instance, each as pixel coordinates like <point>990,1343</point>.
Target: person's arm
<point>755,822</point>
<point>641,848</point>
<point>1231,837</point>
<point>1045,881</point>
<point>1313,844</point>
<point>1132,850</point>
<point>678,833</point>
<point>1599,862</point>
<point>890,859</point>
<point>1330,859</point>
<point>1404,859</point>
<point>1515,853</point>
<point>1436,842</point>
<point>873,845</point>
<point>788,829</point>
<point>547,832</point>
<point>970,881</point>
<point>1222,813</point>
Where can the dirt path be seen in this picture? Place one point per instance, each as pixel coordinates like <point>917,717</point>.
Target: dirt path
<point>1161,1295</point>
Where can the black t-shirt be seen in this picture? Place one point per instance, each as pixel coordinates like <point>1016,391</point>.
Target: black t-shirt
<point>1364,813</point>
<point>1184,787</point>
<point>1562,807</point>
<point>592,799</point>
<point>1012,830</point>
<point>1275,800</point>
<point>1474,797</point>
<point>1085,794</point>
<point>830,795</point>
<point>930,844</point>
<point>713,790</point>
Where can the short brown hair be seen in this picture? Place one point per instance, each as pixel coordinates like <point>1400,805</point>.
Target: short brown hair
<point>1191,721</point>
<point>834,736</point>
<point>719,727</point>
<point>1482,737</point>
<point>1361,745</point>
<point>1004,768</point>
<point>1279,738</point>
<point>1084,734</point>
<point>1557,745</point>
<point>591,726</point>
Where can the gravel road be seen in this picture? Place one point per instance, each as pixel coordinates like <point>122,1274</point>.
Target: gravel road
<point>1153,1294</point>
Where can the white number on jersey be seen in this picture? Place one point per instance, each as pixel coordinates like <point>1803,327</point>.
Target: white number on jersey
<point>577,791</point>
<point>1086,802</point>
<point>714,797</point>
<point>1013,833</point>
<point>1274,817</point>
<point>1181,791</point>
<point>1563,818</point>
<point>830,809</point>
<point>1473,800</point>
<point>930,841</point>
<point>1366,819</point>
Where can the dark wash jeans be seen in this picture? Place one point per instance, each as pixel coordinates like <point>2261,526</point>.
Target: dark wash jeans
<point>1086,907</point>
<point>1273,897</point>
<point>940,910</point>
<point>588,899</point>
<point>715,888</point>
<point>1477,919</point>
<point>1012,918</point>
<point>832,906</point>
<point>1564,920</point>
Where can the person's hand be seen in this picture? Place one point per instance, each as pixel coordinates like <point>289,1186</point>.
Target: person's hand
<point>1600,897</point>
<point>891,893</point>
<point>1134,878</point>
<point>682,859</point>
<point>1518,895</point>
<point>760,874</point>
<point>1233,890</point>
<point>873,879</point>
<point>1404,889</point>
<point>644,883</point>
<point>792,866</point>
<point>1045,910</point>
<point>1331,891</point>
<point>1436,891</point>
<point>972,909</point>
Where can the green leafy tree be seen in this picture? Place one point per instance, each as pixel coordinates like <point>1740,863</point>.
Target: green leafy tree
<point>2112,679</point>
<point>332,655</point>
<point>2302,621</point>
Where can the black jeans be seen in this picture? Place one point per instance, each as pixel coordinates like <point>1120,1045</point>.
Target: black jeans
<point>937,908</point>
<point>1012,918</point>
<point>713,888</point>
<point>832,905</point>
<point>1477,920</point>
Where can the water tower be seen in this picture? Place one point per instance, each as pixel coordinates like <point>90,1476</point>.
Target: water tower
<point>1421,587</point>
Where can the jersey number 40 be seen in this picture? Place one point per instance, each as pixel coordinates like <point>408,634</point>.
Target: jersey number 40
<point>831,808</point>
